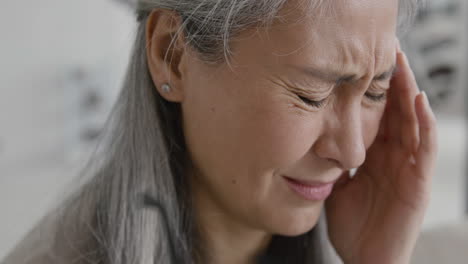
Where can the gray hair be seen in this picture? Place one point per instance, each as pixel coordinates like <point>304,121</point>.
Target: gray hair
<point>136,179</point>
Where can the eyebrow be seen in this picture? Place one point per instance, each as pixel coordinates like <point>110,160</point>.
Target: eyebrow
<point>337,77</point>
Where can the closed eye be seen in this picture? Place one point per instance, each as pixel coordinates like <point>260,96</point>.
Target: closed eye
<point>320,103</point>
<point>313,103</point>
<point>376,97</point>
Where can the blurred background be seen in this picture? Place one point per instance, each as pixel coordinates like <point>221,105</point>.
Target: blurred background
<point>61,66</point>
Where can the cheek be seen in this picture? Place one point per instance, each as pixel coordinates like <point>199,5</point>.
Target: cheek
<point>283,136</point>
<point>246,137</point>
<point>276,129</point>
<point>370,125</point>
<point>238,141</point>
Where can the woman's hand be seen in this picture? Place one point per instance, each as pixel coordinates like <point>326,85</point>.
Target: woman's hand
<point>376,216</point>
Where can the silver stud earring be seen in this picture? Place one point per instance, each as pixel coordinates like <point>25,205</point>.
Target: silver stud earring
<point>166,88</point>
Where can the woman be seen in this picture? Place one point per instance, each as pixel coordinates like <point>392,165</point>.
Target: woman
<point>238,122</point>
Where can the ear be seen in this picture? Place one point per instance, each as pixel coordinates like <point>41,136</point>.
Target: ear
<point>165,52</point>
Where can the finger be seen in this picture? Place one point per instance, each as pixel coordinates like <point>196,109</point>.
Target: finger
<point>383,131</point>
<point>390,123</point>
<point>393,112</point>
<point>383,125</point>
<point>408,89</point>
<point>427,149</point>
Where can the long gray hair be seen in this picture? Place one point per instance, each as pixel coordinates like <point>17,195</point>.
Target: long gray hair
<point>133,204</point>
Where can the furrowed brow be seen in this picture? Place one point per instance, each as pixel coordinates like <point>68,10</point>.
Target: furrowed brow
<point>334,76</point>
<point>387,74</point>
<point>327,75</point>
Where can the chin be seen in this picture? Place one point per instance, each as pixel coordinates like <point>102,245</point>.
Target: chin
<point>297,223</point>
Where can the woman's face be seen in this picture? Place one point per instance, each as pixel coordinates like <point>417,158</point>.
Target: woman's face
<point>247,127</point>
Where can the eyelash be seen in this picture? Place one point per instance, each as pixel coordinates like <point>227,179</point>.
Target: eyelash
<point>312,103</point>
<point>319,104</point>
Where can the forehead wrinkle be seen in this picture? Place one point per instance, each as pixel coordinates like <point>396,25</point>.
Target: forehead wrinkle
<point>353,58</point>
<point>361,52</point>
<point>384,61</point>
<point>373,61</point>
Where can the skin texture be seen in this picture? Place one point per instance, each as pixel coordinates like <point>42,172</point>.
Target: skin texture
<point>246,126</point>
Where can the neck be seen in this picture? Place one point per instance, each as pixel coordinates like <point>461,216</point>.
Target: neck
<point>224,239</point>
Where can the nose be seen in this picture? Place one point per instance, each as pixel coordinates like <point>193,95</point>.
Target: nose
<point>341,140</point>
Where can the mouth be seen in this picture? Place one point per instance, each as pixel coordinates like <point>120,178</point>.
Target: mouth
<point>310,190</point>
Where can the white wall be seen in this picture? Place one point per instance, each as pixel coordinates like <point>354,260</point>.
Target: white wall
<point>448,196</point>
<point>41,43</point>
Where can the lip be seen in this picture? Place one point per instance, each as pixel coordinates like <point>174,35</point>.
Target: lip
<point>310,190</point>
<point>309,182</point>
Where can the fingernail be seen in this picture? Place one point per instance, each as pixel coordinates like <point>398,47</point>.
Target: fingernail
<point>427,114</point>
<point>426,101</point>
<point>427,105</point>
<point>398,44</point>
